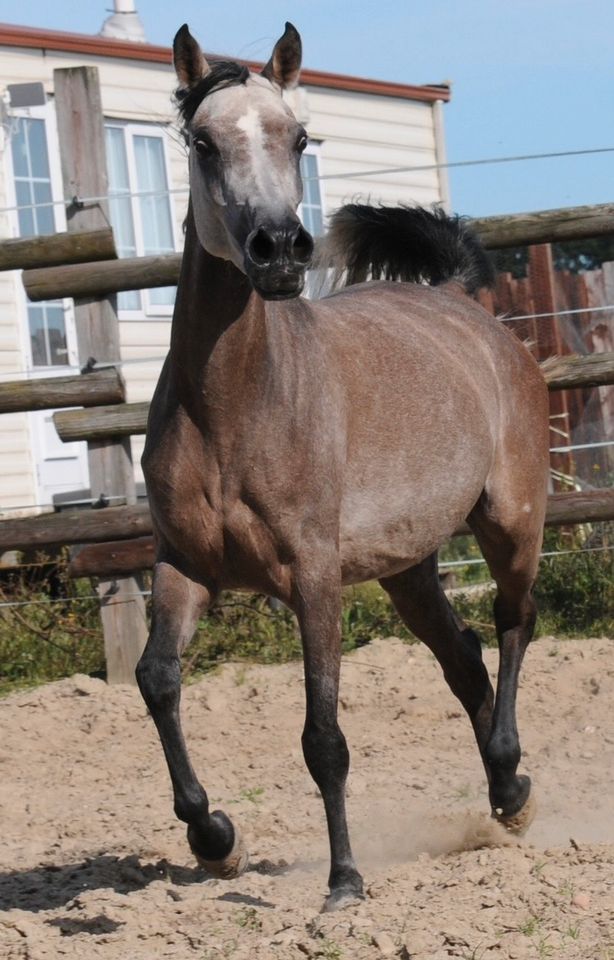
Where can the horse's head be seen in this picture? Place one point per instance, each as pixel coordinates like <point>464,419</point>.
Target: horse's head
<point>245,146</point>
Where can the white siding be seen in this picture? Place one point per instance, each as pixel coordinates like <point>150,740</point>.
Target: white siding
<point>356,132</point>
<point>361,132</point>
<point>17,477</point>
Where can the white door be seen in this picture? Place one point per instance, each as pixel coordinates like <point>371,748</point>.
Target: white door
<point>60,467</point>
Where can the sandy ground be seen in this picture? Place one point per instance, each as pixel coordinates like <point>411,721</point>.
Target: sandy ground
<point>94,865</point>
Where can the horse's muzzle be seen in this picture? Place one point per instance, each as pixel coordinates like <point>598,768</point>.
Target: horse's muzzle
<point>276,259</point>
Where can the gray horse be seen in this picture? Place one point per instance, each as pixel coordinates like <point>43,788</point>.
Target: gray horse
<point>297,446</point>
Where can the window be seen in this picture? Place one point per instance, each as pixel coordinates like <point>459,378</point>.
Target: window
<point>35,215</point>
<point>311,207</point>
<point>140,206</point>
<point>311,212</point>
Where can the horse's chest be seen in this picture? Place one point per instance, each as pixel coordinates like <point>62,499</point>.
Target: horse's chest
<point>224,536</point>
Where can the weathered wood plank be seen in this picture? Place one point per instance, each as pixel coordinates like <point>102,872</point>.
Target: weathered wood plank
<point>75,526</point>
<point>81,136</point>
<point>103,422</point>
<point>113,559</point>
<point>101,279</point>
<point>584,506</point>
<point>566,373</point>
<point>545,226</point>
<point>104,386</point>
<point>94,280</point>
<point>124,523</point>
<point>589,506</point>
<point>28,253</point>
<point>130,419</point>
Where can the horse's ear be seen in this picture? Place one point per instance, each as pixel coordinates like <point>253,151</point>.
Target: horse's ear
<point>285,64</point>
<point>189,60</point>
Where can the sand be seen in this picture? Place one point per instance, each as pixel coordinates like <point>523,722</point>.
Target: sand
<point>93,863</point>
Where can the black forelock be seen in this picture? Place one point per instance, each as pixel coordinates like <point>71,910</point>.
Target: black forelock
<point>223,73</point>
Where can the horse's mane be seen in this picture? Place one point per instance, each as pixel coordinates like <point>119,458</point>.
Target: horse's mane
<point>223,73</point>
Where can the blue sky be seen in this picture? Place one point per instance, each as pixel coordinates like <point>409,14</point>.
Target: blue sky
<point>528,76</point>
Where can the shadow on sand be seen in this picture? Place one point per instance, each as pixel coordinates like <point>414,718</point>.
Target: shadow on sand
<point>49,886</point>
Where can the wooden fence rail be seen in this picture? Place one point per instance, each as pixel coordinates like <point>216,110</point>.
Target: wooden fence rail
<point>104,386</point>
<point>123,523</point>
<point>130,419</point>
<point>58,248</point>
<point>51,530</point>
<point>102,422</point>
<point>572,371</point>
<point>97,280</point>
<point>545,226</point>
<point>104,278</point>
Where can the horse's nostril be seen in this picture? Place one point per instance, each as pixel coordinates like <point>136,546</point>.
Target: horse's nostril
<point>302,247</point>
<point>262,247</point>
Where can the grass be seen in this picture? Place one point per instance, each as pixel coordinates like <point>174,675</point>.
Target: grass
<point>248,919</point>
<point>46,641</point>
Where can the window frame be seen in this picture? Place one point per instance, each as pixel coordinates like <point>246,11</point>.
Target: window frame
<point>46,113</point>
<point>315,279</point>
<point>314,149</point>
<point>148,310</point>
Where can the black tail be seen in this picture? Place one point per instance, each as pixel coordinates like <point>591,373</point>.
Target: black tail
<point>404,243</point>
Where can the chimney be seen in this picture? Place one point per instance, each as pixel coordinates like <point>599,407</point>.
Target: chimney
<point>124,23</point>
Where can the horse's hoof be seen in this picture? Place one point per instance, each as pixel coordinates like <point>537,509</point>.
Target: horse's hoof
<point>343,897</point>
<point>230,866</point>
<point>518,823</point>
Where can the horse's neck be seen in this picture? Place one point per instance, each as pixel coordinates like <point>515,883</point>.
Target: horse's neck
<point>213,299</point>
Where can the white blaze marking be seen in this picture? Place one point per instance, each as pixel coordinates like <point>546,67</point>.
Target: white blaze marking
<point>250,124</point>
<point>266,184</point>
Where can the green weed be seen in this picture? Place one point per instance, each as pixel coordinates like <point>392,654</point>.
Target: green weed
<point>248,919</point>
<point>46,641</point>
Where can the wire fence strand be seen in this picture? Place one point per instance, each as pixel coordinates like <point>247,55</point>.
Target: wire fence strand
<point>160,358</point>
<point>127,597</point>
<point>346,175</point>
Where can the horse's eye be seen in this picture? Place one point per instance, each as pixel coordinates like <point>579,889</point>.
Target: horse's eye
<point>301,143</point>
<point>202,148</point>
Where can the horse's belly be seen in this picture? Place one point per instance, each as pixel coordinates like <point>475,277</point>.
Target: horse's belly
<point>380,534</point>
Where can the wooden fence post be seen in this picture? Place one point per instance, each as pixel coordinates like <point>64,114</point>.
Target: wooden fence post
<point>541,273</point>
<point>84,174</point>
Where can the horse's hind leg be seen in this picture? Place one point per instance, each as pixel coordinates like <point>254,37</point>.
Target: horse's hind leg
<point>177,604</point>
<point>423,606</point>
<point>510,538</point>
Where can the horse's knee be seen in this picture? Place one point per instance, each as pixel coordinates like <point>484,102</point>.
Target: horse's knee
<point>159,680</point>
<point>326,755</point>
<point>513,610</point>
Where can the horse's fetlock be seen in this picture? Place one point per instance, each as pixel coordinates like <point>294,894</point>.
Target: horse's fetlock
<point>212,838</point>
<point>503,752</point>
<point>193,809</point>
<point>345,876</point>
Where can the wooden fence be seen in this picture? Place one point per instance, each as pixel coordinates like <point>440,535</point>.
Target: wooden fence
<point>116,542</point>
<point>580,416</point>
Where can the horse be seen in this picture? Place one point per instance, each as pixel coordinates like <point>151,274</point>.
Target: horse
<point>295,446</point>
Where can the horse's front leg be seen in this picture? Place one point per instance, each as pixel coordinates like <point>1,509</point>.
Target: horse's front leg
<point>178,602</point>
<point>318,607</point>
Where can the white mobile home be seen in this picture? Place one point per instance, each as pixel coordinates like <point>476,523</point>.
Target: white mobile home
<point>355,125</point>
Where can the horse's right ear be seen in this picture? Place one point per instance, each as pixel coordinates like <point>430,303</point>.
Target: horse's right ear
<point>189,60</point>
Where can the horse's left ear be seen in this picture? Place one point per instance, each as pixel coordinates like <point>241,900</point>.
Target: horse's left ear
<point>285,64</point>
